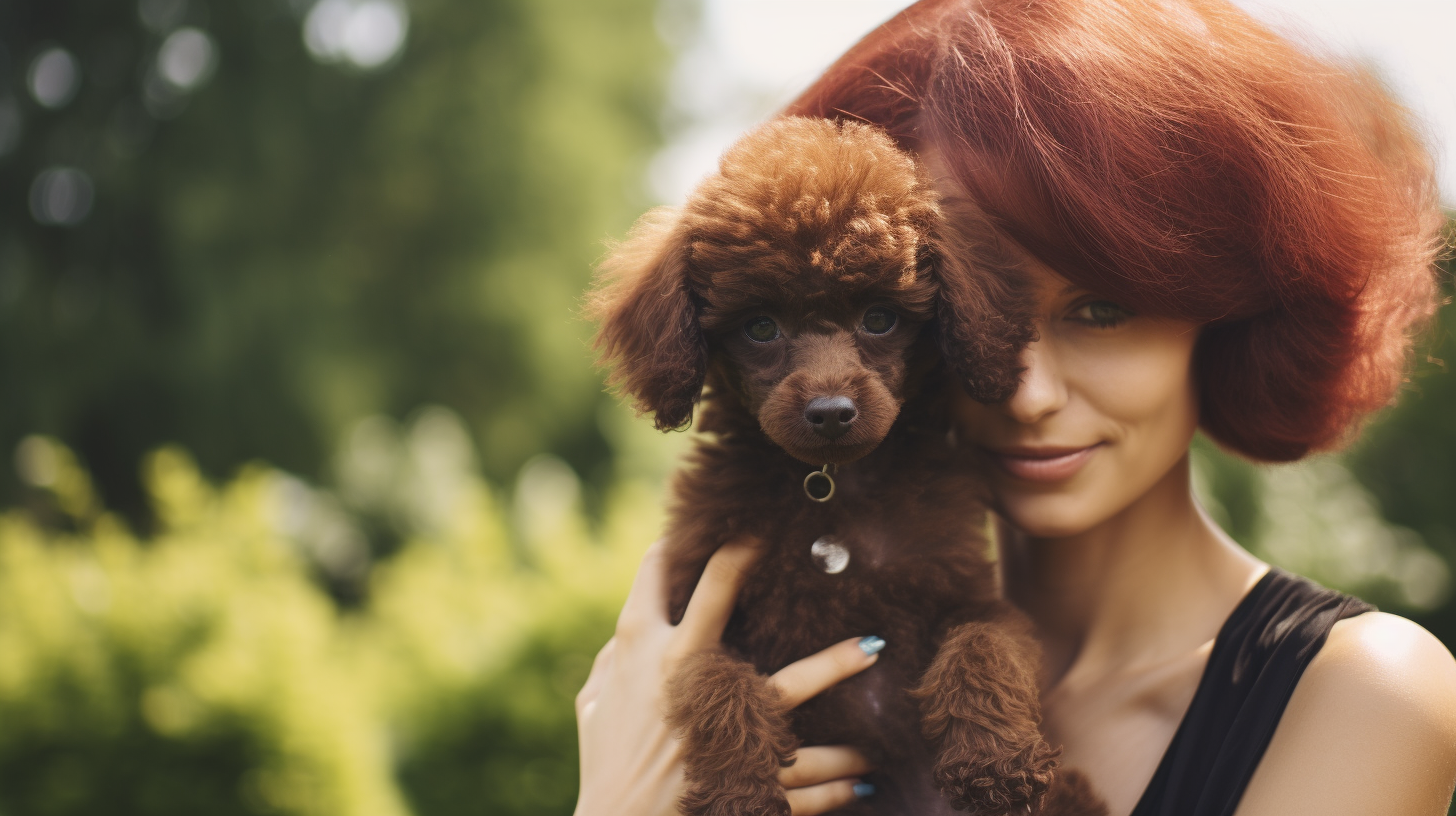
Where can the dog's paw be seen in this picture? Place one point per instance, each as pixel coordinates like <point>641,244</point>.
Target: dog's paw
<point>1004,785</point>
<point>1071,794</point>
<point>735,737</point>
<point>750,800</point>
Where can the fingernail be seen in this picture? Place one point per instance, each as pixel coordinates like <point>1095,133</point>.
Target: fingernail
<point>871,645</point>
<point>863,789</point>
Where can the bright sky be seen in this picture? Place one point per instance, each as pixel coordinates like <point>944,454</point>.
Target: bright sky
<point>752,56</point>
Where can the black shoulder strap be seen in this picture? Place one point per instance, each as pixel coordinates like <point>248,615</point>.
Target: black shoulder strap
<point>1257,659</point>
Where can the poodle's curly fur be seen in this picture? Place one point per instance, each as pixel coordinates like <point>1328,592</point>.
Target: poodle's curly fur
<point>766,295</point>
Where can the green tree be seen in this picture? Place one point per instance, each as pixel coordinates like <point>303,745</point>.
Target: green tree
<point>288,244</point>
<point>1407,462</point>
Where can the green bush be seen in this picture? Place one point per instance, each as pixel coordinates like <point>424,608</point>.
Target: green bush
<point>206,671</point>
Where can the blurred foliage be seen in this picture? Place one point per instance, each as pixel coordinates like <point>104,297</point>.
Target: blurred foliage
<point>284,243</point>
<point>204,671</point>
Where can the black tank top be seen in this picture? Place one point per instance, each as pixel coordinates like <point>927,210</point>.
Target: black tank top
<point>1257,659</point>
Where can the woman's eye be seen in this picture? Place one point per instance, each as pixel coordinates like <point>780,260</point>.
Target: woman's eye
<point>879,320</point>
<point>761,329</point>
<point>1101,313</point>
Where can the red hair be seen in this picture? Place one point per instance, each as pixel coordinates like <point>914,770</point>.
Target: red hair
<point>1180,158</point>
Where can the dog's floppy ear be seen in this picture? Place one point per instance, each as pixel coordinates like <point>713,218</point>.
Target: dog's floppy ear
<point>984,308</point>
<point>648,323</point>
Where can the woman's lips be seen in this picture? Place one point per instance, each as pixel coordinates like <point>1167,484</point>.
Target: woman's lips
<point>1043,464</point>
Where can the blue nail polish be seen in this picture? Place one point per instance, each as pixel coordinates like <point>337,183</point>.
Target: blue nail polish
<point>863,789</point>
<point>871,645</point>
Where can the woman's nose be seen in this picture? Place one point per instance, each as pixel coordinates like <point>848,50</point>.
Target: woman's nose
<point>1042,390</point>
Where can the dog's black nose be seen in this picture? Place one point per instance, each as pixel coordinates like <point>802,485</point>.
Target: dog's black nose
<point>830,417</point>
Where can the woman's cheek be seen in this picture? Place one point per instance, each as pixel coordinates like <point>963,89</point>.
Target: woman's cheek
<point>1140,380</point>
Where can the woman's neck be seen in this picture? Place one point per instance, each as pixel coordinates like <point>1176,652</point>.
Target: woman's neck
<point>1151,582</point>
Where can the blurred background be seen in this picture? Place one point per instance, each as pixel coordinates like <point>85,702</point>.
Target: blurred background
<point>311,501</point>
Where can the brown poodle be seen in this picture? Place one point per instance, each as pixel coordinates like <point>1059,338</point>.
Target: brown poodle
<point>801,294</point>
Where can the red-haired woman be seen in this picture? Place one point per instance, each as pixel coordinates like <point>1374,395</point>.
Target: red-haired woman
<point>1223,232</point>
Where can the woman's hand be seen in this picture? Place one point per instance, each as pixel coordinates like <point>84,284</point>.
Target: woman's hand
<point>630,761</point>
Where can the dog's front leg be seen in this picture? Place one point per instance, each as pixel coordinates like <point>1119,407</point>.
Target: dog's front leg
<point>735,737</point>
<point>980,707</point>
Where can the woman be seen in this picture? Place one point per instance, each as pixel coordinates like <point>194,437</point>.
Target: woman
<point>1220,231</point>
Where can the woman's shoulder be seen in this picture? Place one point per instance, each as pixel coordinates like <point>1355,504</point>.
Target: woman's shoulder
<point>1386,661</point>
<point>1383,647</point>
<point>1370,728</point>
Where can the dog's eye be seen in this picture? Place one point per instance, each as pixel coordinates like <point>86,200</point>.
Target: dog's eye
<point>879,320</point>
<point>761,329</point>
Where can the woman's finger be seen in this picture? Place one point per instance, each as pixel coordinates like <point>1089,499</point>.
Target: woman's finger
<point>823,763</point>
<point>712,602</point>
<point>805,678</point>
<point>646,604</point>
<point>817,799</point>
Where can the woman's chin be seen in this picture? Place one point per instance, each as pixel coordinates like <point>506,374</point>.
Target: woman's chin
<point>1049,516</point>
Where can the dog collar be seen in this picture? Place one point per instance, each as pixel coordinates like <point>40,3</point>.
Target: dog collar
<point>819,485</point>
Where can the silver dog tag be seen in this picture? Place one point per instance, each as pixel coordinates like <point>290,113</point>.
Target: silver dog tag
<point>829,555</point>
